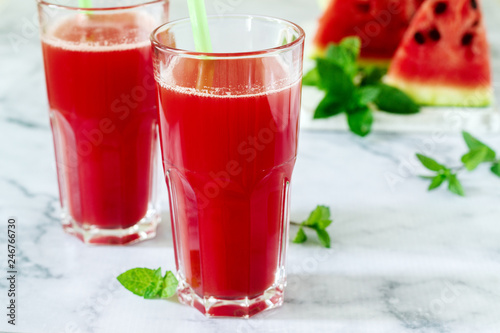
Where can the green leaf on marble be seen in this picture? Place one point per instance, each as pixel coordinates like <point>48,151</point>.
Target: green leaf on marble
<point>319,219</point>
<point>149,283</point>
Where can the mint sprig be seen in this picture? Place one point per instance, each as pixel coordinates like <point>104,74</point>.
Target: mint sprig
<point>478,154</point>
<point>318,220</point>
<point>352,90</point>
<point>443,174</point>
<point>149,283</point>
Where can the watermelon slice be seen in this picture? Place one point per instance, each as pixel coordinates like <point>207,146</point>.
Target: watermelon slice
<point>444,57</point>
<point>380,24</point>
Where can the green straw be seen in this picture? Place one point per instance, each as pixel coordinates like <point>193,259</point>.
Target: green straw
<point>84,3</point>
<point>199,24</point>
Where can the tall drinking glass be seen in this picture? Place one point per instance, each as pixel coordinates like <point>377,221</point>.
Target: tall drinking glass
<point>229,122</point>
<point>103,113</point>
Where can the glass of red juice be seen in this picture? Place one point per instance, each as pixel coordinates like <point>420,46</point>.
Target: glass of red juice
<point>229,123</point>
<point>103,114</point>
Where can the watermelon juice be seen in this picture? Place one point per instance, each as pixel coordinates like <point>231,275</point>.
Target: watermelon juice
<point>229,177</point>
<point>229,124</point>
<point>103,107</point>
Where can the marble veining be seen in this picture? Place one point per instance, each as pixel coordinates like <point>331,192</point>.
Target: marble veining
<point>402,260</point>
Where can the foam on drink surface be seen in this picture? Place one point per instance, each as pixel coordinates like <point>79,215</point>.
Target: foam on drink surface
<point>101,32</point>
<point>224,78</point>
<point>226,92</point>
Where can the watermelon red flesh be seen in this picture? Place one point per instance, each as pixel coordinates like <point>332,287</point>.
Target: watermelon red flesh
<point>379,23</point>
<point>445,46</point>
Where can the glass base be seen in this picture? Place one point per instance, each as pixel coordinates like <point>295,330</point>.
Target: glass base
<point>89,234</point>
<point>242,307</point>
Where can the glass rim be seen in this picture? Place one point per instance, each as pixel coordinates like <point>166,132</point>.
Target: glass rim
<point>48,3</point>
<point>232,55</point>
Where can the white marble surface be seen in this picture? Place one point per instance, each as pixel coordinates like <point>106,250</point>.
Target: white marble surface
<point>402,260</point>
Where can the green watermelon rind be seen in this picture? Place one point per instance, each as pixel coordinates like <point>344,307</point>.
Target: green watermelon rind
<point>440,95</point>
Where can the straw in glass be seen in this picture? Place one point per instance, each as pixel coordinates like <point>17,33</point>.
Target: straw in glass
<point>199,23</point>
<point>84,3</point>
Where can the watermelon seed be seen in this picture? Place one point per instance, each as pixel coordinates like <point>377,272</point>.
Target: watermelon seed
<point>440,7</point>
<point>476,23</point>
<point>473,3</point>
<point>435,35</point>
<point>467,39</point>
<point>419,38</point>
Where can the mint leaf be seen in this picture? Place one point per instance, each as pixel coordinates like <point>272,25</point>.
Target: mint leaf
<point>137,280</point>
<point>495,168</point>
<point>320,213</point>
<point>475,157</point>
<point>345,55</point>
<point>393,100</point>
<point>325,222</point>
<point>474,143</point>
<point>430,163</point>
<point>436,182</point>
<point>352,45</point>
<point>312,78</point>
<point>455,186</point>
<point>372,75</point>
<point>154,289</point>
<point>352,90</point>
<point>324,237</point>
<point>360,121</point>
<point>367,94</point>
<point>318,220</point>
<point>329,106</point>
<point>478,153</point>
<point>149,283</point>
<point>301,236</point>
<point>334,79</point>
<point>170,284</point>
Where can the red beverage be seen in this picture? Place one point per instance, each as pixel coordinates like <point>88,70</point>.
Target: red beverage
<point>102,100</point>
<point>229,124</point>
<point>229,175</point>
